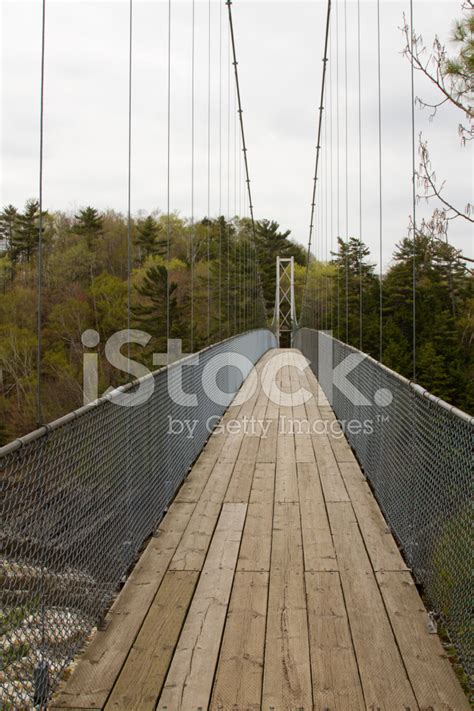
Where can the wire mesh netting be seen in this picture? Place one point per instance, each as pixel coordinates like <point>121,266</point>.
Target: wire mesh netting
<point>416,451</point>
<point>80,497</point>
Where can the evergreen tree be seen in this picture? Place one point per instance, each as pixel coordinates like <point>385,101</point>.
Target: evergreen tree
<point>8,225</point>
<point>152,314</point>
<point>90,224</point>
<point>355,280</point>
<point>443,289</point>
<point>26,236</point>
<point>148,231</point>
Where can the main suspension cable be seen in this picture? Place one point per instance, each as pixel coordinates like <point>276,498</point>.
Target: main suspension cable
<point>318,148</point>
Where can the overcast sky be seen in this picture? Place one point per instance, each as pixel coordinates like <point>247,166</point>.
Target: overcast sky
<point>280,47</point>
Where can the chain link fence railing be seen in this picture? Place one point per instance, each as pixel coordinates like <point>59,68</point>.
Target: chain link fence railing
<point>79,498</point>
<point>416,452</point>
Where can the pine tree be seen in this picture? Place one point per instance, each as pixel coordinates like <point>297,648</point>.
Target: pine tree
<point>148,231</point>
<point>356,279</point>
<point>89,223</point>
<point>8,225</point>
<point>153,313</point>
<point>25,237</point>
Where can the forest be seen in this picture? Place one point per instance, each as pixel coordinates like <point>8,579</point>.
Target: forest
<point>208,273</point>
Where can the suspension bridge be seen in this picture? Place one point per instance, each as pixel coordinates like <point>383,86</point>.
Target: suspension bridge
<point>277,521</point>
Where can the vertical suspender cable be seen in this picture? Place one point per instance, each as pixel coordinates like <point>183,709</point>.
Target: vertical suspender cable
<point>236,252</point>
<point>338,176</point>
<point>193,226</point>
<point>39,314</point>
<point>129,174</point>
<point>326,221</point>
<point>318,148</point>
<point>219,304</point>
<point>229,52</point>
<point>209,178</point>
<point>331,315</point>
<point>360,178</point>
<point>128,518</point>
<point>168,176</point>
<point>414,421</point>
<point>346,133</point>
<point>379,96</point>
<point>41,692</point>
<point>413,179</point>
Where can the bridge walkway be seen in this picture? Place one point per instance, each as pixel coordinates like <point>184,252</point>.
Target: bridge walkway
<point>273,582</point>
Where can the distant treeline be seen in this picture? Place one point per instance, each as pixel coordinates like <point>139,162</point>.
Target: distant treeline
<point>200,280</point>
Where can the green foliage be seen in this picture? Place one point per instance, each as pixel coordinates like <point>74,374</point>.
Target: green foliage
<point>147,238</point>
<point>159,307</point>
<point>452,574</point>
<point>89,223</point>
<point>444,311</point>
<point>211,272</point>
<point>461,67</point>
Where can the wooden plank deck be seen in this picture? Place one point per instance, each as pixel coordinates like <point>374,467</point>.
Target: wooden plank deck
<point>272,584</point>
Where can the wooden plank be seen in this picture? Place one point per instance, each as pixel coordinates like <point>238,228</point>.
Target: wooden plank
<point>286,482</point>
<point>189,681</point>
<point>383,675</point>
<point>380,544</point>
<point>340,446</point>
<point>197,479</point>
<point>287,670</point>
<point>240,484</point>
<point>94,676</point>
<point>268,443</point>
<point>430,672</point>
<point>143,674</point>
<point>301,424</point>
<point>331,479</point>
<point>192,550</point>
<point>318,548</point>
<point>336,682</point>
<point>267,450</point>
<point>256,544</point>
<point>239,673</point>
